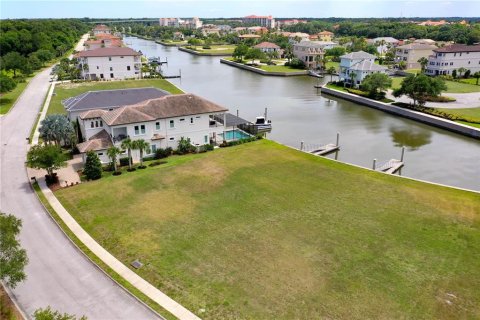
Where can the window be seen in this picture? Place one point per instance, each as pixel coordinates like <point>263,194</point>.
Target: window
<point>109,58</point>
<point>206,139</point>
<point>172,139</point>
<point>191,120</point>
<point>96,124</point>
<point>97,67</point>
<point>121,57</point>
<point>183,119</point>
<point>101,123</point>
<point>92,125</point>
<point>111,68</point>
<point>451,63</point>
<point>172,124</point>
<point>128,68</point>
<point>101,75</point>
<point>153,147</point>
<point>111,75</point>
<point>157,125</point>
<point>139,129</point>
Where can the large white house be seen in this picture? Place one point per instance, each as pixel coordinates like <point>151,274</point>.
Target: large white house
<point>411,53</point>
<point>310,52</point>
<point>110,63</point>
<point>446,59</point>
<point>108,100</point>
<point>162,122</point>
<point>355,66</point>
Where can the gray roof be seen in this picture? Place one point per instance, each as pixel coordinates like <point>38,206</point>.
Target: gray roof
<point>358,55</point>
<point>160,108</point>
<point>386,39</point>
<point>367,65</point>
<point>99,141</point>
<point>417,46</point>
<point>107,99</point>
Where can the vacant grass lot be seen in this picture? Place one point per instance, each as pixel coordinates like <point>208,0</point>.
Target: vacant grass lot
<point>221,48</point>
<point>67,90</point>
<point>280,69</point>
<point>452,86</point>
<point>7,100</point>
<point>261,231</point>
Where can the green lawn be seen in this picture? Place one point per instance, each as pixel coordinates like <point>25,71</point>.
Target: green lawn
<point>222,48</point>
<point>66,90</point>
<point>7,100</point>
<point>262,231</point>
<point>329,64</point>
<point>452,86</point>
<point>470,81</point>
<point>280,69</point>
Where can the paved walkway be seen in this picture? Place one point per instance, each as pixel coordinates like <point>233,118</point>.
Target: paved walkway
<point>146,288</point>
<point>66,176</point>
<point>464,100</point>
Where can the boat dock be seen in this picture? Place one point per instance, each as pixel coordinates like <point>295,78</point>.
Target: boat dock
<point>391,166</point>
<point>321,150</point>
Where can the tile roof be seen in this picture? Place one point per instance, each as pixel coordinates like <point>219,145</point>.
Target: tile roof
<point>325,33</point>
<point>99,141</point>
<point>358,55</point>
<point>96,113</point>
<point>367,65</point>
<point>107,99</point>
<point>267,45</point>
<point>165,107</point>
<point>417,46</point>
<point>101,27</point>
<point>108,52</point>
<point>459,48</point>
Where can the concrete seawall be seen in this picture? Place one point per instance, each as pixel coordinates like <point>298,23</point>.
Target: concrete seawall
<point>406,113</point>
<point>263,72</point>
<point>204,53</point>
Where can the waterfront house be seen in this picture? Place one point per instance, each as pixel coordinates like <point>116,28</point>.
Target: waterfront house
<point>383,44</point>
<point>355,66</point>
<point>308,51</point>
<point>110,63</point>
<point>411,53</point>
<point>178,36</point>
<point>101,28</point>
<point>107,100</point>
<point>446,59</point>
<point>267,47</point>
<point>162,122</point>
<point>103,41</point>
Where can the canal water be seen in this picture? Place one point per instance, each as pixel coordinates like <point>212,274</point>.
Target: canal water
<point>299,112</point>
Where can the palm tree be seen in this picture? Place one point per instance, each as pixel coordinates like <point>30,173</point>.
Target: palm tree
<point>128,145</point>
<point>112,153</point>
<point>331,71</point>
<point>353,76</point>
<point>476,75</point>
<point>142,146</point>
<point>461,71</point>
<point>423,63</point>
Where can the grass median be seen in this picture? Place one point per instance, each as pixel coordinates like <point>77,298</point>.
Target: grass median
<point>262,231</point>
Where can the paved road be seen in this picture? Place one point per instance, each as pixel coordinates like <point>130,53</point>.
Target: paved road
<point>58,275</point>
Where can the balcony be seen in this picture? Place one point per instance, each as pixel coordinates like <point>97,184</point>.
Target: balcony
<point>119,134</point>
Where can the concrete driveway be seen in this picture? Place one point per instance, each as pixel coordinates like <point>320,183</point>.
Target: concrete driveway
<point>58,274</point>
<point>464,100</point>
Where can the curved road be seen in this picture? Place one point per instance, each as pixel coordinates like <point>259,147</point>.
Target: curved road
<point>58,275</point>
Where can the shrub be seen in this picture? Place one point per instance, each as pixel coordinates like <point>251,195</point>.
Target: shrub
<point>207,47</point>
<point>467,74</point>
<point>6,83</point>
<point>117,173</point>
<point>209,147</point>
<point>295,63</point>
<point>185,146</point>
<point>162,153</point>
<point>156,163</point>
<point>93,166</point>
<point>123,161</point>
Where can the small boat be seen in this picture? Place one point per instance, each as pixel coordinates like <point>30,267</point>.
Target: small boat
<point>262,124</point>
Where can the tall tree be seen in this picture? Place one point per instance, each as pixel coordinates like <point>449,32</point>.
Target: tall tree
<point>13,258</point>
<point>331,71</point>
<point>13,61</point>
<point>47,157</point>
<point>240,51</point>
<point>113,153</point>
<point>127,144</point>
<point>93,166</point>
<point>476,75</point>
<point>376,84</point>
<point>423,63</point>
<point>420,87</point>
<point>56,128</point>
<point>142,146</point>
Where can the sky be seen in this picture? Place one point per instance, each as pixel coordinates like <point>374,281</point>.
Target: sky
<point>12,9</point>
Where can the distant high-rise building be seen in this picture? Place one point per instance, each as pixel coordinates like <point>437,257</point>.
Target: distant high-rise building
<point>263,21</point>
<point>193,23</point>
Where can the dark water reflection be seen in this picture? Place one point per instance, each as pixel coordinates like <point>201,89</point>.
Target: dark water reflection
<point>299,112</point>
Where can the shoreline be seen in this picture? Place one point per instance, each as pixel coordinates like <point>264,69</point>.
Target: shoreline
<point>263,72</point>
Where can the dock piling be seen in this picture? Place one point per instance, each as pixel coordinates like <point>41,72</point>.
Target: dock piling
<point>403,153</point>
<point>265,114</point>
<point>301,145</point>
<point>374,164</point>
<point>338,138</point>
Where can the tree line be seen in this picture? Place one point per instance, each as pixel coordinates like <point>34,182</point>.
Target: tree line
<point>26,45</point>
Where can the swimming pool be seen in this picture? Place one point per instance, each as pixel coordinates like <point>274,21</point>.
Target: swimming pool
<point>234,135</point>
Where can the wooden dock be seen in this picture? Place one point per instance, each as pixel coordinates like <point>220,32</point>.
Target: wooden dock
<point>391,166</point>
<point>326,149</point>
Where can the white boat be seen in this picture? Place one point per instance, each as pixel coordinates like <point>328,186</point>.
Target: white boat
<point>262,124</point>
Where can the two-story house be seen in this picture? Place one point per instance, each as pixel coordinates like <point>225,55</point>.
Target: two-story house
<point>101,28</point>
<point>267,47</point>
<point>446,59</point>
<point>325,36</point>
<point>311,52</point>
<point>411,53</point>
<point>355,66</point>
<point>107,100</point>
<point>162,122</point>
<point>110,63</point>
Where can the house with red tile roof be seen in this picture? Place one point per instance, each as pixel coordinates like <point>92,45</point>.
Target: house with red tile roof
<point>109,63</point>
<point>101,28</point>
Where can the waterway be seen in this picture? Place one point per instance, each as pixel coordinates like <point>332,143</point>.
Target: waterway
<point>299,112</point>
